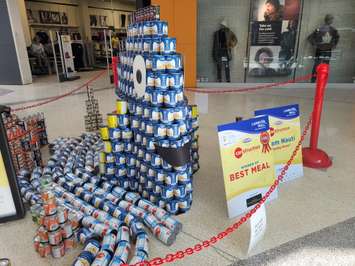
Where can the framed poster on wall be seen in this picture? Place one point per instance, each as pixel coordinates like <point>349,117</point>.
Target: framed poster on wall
<point>11,206</point>
<point>273,37</point>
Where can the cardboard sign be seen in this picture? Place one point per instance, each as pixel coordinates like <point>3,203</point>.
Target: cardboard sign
<point>257,227</point>
<point>285,132</point>
<point>7,206</point>
<point>247,162</point>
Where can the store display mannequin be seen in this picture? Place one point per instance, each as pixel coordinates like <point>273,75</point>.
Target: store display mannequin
<point>224,40</point>
<point>324,39</point>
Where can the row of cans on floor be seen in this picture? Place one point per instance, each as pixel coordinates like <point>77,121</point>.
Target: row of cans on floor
<point>153,62</point>
<point>155,28</point>
<point>147,45</point>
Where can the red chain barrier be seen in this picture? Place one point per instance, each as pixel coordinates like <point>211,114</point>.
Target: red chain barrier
<point>55,98</point>
<point>259,87</point>
<point>214,239</point>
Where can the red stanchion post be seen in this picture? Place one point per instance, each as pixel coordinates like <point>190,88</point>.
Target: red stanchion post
<point>114,70</point>
<point>312,156</point>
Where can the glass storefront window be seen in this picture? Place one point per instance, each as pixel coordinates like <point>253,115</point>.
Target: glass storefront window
<point>274,40</point>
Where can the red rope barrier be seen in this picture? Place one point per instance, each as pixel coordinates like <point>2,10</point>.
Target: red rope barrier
<point>55,98</point>
<point>259,87</point>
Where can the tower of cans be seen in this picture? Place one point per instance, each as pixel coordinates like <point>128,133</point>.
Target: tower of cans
<point>25,137</point>
<point>56,234</point>
<point>162,117</point>
<point>93,118</point>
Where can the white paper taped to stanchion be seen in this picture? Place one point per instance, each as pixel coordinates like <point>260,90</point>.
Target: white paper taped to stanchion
<point>139,75</point>
<point>257,227</point>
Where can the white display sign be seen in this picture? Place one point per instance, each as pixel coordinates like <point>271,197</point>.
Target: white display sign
<point>257,227</point>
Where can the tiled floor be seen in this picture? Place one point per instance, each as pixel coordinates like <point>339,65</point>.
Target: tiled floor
<point>319,199</point>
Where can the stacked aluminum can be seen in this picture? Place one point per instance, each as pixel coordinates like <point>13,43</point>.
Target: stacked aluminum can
<point>56,233</point>
<point>162,117</point>
<point>25,136</point>
<point>93,118</point>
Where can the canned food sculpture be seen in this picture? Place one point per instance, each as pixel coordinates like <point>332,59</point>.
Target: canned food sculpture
<point>162,117</point>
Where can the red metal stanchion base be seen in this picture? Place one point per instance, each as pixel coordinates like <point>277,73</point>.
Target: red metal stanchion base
<point>316,158</point>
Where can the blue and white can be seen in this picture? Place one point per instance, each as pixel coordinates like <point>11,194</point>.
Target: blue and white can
<point>176,143</point>
<point>171,179</point>
<point>114,133</point>
<point>167,192</point>
<point>110,157</point>
<point>147,157</point>
<point>164,143</point>
<point>122,252</point>
<point>138,138</point>
<point>147,28</point>
<point>173,63</point>
<point>142,243</point>
<point>155,114</point>
<point>148,62</point>
<point>157,97</point>
<point>117,146</point>
<point>182,176</point>
<point>121,171</point>
<point>109,243</point>
<point>170,98</point>
<point>140,155</point>
<point>180,192</point>
<point>150,146</point>
<point>159,131</point>
<point>172,206</point>
<point>167,115</point>
<point>155,46</point>
<point>150,79</point>
<point>182,127</point>
<point>149,128</point>
<point>158,63</point>
<point>120,159</point>
<point>147,42</point>
<point>176,80</point>
<point>127,134</point>
<point>159,28</point>
<point>160,176</point>
<point>166,166</point>
<point>139,108</point>
<point>168,45</point>
<point>128,146</point>
<point>146,112</point>
<point>180,113</point>
<point>156,160</point>
<point>161,81</point>
<point>123,120</point>
<point>172,131</point>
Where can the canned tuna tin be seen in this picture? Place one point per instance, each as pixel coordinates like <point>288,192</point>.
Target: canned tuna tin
<point>50,207</point>
<point>139,109</point>
<point>69,243</point>
<point>123,120</point>
<point>162,81</point>
<point>148,62</point>
<point>109,158</point>
<point>127,134</point>
<point>55,237</point>
<point>155,45</point>
<point>109,242</point>
<point>156,160</point>
<point>103,258</point>
<point>170,98</point>
<point>158,63</point>
<point>167,115</point>
<point>84,259</point>
<point>51,222</point>
<point>107,147</point>
<point>150,220</point>
<point>176,80</point>
<point>159,131</point>
<point>168,45</point>
<point>147,28</point>
<point>164,234</point>
<point>112,121</point>
<point>58,251</point>
<point>135,122</point>
<point>67,230</point>
<point>171,179</point>
<point>44,249</point>
<point>122,251</point>
<point>104,133</point>
<point>172,131</point>
<point>123,234</point>
<point>110,169</point>
<point>142,243</point>
<point>182,127</point>
<point>117,146</point>
<point>173,63</point>
<point>138,257</point>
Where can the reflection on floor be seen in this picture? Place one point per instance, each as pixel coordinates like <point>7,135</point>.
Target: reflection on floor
<point>318,200</point>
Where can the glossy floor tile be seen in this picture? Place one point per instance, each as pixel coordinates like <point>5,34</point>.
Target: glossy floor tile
<point>315,201</point>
